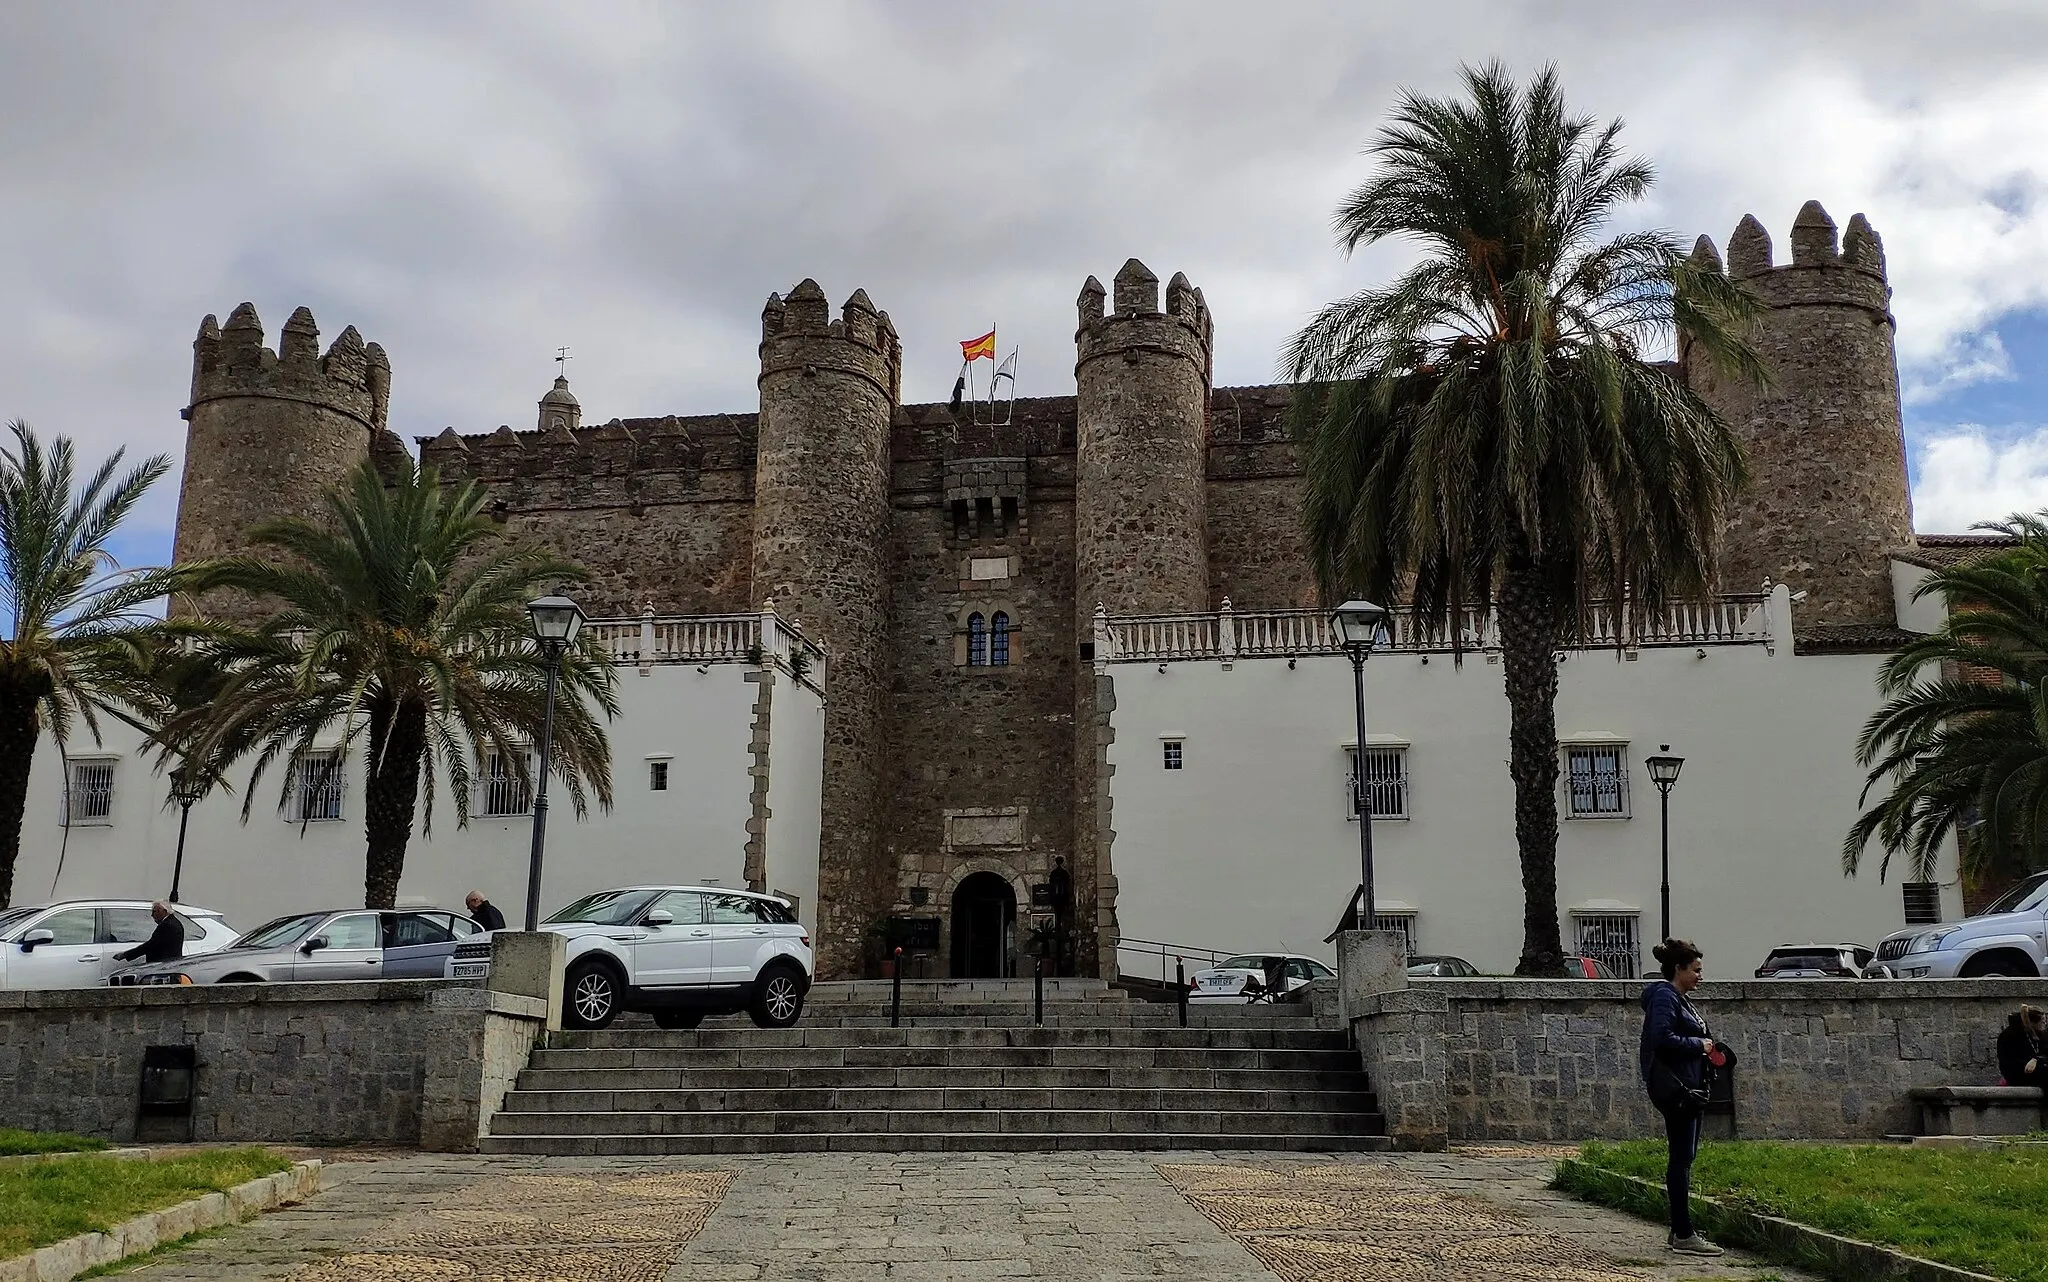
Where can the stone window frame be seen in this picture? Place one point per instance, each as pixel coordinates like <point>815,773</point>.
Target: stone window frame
<point>658,772</point>
<point>987,608</point>
<point>1617,921</point>
<point>1173,752</point>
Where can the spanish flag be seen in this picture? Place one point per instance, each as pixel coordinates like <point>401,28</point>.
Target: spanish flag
<point>976,349</point>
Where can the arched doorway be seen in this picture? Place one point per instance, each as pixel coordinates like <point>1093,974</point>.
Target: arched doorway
<point>984,926</point>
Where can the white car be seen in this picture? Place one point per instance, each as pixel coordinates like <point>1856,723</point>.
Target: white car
<point>72,944</point>
<point>679,953</point>
<point>1237,980</point>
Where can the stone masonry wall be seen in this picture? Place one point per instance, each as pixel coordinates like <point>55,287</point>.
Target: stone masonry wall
<point>392,1062</point>
<point>1463,1061</point>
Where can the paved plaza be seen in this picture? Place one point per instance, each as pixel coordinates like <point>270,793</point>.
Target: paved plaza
<point>1469,1216</point>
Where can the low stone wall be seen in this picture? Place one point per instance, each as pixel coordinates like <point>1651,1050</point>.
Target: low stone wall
<point>1471,1060</point>
<point>395,1062</point>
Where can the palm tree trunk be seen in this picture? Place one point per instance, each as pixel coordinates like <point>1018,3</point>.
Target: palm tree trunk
<point>1528,639</point>
<point>17,754</point>
<point>398,741</point>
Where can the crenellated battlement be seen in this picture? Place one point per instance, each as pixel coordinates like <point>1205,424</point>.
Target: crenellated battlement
<point>1823,271</point>
<point>353,377</point>
<point>1137,324</point>
<point>798,330</point>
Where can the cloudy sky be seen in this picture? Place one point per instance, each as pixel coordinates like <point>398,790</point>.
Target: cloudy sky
<point>476,185</point>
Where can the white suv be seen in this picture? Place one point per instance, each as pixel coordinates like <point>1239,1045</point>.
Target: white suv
<point>679,953</point>
<point>2010,937</point>
<point>73,944</point>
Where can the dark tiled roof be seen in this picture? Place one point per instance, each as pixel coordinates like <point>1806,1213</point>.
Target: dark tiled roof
<point>1947,551</point>
<point>1849,638</point>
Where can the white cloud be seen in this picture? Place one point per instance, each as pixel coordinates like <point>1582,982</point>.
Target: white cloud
<point>1967,475</point>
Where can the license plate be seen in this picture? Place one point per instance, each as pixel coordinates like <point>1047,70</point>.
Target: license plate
<point>474,971</point>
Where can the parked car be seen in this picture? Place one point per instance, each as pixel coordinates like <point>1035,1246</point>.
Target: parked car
<point>678,953</point>
<point>1255,977</point>
<point>1438,967</point>
<point>338,944</point>
<point>1815,961</point>
<point>2010,937</point>
<point>1588,968</point>
<point>72,944</point>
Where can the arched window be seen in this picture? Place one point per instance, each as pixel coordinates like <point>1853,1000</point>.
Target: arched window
<point>977,641</point>
<point>999,640</point>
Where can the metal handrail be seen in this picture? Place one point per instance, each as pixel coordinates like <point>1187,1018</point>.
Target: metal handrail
<point>1163,951</point>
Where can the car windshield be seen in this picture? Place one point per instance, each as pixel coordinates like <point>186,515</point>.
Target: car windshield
<point>606,908</point>
<point>1243,963</point>
<point>285,930</point>
<point>2020,896</point>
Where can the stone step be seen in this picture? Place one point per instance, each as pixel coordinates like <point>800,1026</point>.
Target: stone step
<point>615,1042</point>
<point>579,1145</point>
<point>957,1056</point>
<point>966,990</point>
<point>1030,1121</point>
<point>902,1099</point>
<point>992,1017</point>
<point>1349,1077</point>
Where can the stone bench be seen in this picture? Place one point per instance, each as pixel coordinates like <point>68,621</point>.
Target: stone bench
<point>1977,1110</point>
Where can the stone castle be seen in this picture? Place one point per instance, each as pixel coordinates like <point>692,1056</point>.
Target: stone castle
<point>952,570</point>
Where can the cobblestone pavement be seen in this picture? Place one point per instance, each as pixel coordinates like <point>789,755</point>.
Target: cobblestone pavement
<point>1482,1215</point>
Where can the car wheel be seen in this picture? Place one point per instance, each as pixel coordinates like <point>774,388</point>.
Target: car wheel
<point>243,979</point>
<point>590,995</point>
<point>778,997</point>
<point>1998,967</point>
<point>678,1018</point>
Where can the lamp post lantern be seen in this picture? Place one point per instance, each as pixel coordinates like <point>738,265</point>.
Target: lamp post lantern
<point>187,786</point>
<point>556,621</point>
<point>1358,627</point>
<point>1664,773</point>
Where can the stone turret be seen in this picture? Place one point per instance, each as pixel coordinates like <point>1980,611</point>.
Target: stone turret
<point>560,411</point>
<point>1828,495</point>
<point>266,431</point>
<point>821,523</point>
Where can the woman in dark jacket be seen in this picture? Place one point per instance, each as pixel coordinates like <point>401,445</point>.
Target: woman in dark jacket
<point>2022,1059</point>
<point>1675,1053</point>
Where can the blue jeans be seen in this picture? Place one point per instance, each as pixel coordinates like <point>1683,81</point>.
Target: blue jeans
<point>1682,1133</point>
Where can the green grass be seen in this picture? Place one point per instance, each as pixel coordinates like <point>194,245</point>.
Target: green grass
<point>15,1143</point>
<point>1975,1209</point>
<point>46,1202</point>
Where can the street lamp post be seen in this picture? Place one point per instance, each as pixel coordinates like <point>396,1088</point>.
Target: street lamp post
<point>556,621</point>
<point>187,786</point>
<point>1664,773</point>
<point>1359,626</point>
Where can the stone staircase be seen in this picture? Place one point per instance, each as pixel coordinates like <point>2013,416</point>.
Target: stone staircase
<point>967,1070</point>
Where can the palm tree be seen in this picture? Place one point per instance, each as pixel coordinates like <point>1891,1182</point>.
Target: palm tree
<point>1962,738</point>
<point>1485,428</point>
<point>80,641</point>
<point>401,630</point>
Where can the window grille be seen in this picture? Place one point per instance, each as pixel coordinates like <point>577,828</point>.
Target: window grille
<point>657,776</point>
<point>89,800</point>
<point>1171,754</point>
<point>1402,924</point>
<point>1386,783</point>
<point>999,640</point>
<point>500,789</point>
<point>1611,938</point>
<point>1598,779</point>
<point>977,640</point>
<point>1923,902</point>
<point>317,787</point>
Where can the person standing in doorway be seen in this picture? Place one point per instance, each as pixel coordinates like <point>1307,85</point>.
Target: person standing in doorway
<point>1676,1054</point>
<point>483,912</point>
<point>1062,883</point>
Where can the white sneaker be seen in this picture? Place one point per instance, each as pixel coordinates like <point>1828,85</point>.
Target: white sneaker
<point>1694,1245</point>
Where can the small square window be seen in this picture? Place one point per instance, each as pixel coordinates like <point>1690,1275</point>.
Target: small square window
<point>1386,782</point>
<point>1923,903</point>
<point>1611,939</point>
<point>1172,754</point>
<point>90,798</point>
<point>657,776</point>
<point>501,792</point>
<point>317,787</point>
<point>1596,776</point>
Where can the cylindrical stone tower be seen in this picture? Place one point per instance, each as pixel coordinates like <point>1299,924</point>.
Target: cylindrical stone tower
<point>267,430</point>
<point>821,522</point>
<point>1140,525</point>
<point>1828,494</point>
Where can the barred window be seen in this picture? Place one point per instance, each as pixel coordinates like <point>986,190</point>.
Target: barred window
<point>1611,938</point>
<point>1402,924</point>
<point>316,787</point>
<point>1923,902</point>
<point>999,640</point>
<point>1170,754</point>
<point>977,640</point>
<point>501,790</point>
<point>89,793</point>
<point>657,776</point>
<point>1386,782</point>
<point>1597,776</point>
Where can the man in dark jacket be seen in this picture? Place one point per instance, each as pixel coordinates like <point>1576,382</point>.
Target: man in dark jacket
<point>165,943</point>
<point>483,912</point>
<point>2022,1057</point>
